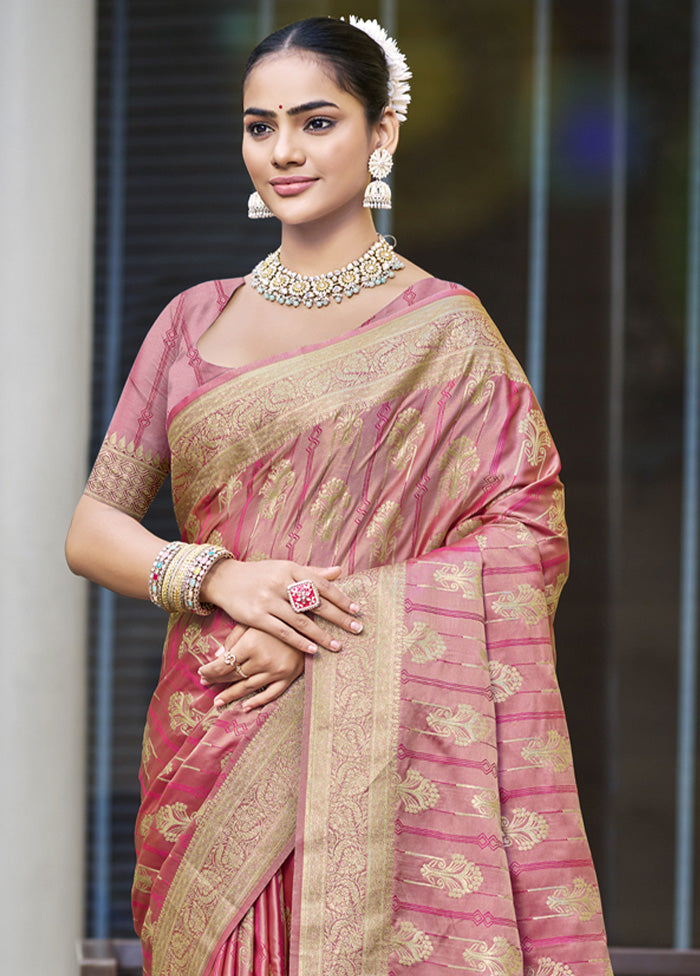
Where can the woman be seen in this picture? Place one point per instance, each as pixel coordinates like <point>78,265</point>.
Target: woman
<point>363,445</point>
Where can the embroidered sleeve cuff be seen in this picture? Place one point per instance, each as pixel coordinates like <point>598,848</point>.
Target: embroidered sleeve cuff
<point>126,477</point>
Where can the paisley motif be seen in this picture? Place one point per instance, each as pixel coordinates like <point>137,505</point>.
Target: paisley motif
<point>416,792</point>
<point>500,958</point>
<point>410,944</point>
<point>581,899</point>
<point>461,722</point>
<point>553,751</point>
<point>459,877</point>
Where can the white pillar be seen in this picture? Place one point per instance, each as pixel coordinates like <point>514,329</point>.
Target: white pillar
<point>46,205</point>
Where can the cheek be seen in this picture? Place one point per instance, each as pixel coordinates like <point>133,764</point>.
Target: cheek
<point>351,163</point>
<point>251,154</point>
<point>351,152</point>
<point>247,157</point>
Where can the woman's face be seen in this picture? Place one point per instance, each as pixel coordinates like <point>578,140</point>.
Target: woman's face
<point>306,142</point>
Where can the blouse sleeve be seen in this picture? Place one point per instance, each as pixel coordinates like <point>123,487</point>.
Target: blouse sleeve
<point>134,459</point>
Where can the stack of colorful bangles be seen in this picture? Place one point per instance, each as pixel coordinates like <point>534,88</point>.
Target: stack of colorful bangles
<point>177,575</point>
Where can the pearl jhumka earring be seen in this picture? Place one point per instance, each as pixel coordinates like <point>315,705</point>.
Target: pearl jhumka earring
<point>378,193</point>
<point>257,208</point>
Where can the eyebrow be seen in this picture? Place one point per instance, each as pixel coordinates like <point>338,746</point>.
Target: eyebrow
<point>297,110</point>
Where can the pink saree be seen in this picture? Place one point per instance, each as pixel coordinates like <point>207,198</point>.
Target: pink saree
<point>408,807</point>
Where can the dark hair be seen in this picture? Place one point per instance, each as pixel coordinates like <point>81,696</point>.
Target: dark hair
<point>355,59</point>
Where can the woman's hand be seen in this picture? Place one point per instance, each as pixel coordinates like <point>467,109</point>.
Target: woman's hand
<point>255,594</point>
<point>259,663</point>
<point>115,550</point>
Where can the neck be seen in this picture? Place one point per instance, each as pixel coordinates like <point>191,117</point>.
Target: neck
<point>317,247</point>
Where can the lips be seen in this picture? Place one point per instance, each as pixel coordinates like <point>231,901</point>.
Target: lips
<point>288,186</point>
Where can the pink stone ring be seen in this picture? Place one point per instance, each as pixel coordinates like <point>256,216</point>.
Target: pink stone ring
<point>303,596</point>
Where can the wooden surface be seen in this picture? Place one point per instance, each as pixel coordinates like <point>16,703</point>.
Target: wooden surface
<point>655,962</point>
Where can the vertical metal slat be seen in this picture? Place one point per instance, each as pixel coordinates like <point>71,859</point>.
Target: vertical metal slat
<point>687,678</point>
<point>388,18</point>
<point>102,772</point>
<point>539,198</point>
<point>616,380</point>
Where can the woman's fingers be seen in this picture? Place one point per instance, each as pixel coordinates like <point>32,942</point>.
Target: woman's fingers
<point>235,674</point>
<point>210,675</point>
<point>333,594</point>
<point>292,623</point>
<point>306,642</point>
<point>335,607</point>
<point>234,637</point>
<point>222,668</point>
<point>256,594</point>
<point>239,690</point>
<point>217,673</point>
<point>330,612</point>
<point>329,572</point>
<point>259,668</point>
<point>266,687</point>
<point>266,695</point>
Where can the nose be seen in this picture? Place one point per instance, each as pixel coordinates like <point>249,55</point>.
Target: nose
<point>287,150</point>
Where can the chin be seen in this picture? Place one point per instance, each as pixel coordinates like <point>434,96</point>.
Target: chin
<point>297,216</point>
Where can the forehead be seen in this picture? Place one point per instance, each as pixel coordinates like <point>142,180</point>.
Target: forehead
<point>292,78</point>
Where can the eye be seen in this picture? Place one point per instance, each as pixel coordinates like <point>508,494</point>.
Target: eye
<point>319,124</point>
<point>257,128</point>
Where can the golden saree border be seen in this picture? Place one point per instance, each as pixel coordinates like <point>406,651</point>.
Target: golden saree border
<point>346,876</point>
<point>242,835</point>
<point>433,344</point>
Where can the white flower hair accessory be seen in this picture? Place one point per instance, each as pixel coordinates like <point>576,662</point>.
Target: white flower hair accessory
<point>399,72</point>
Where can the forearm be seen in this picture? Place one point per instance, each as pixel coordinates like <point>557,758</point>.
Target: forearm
<point>111,548</point>
<point>114,550</point>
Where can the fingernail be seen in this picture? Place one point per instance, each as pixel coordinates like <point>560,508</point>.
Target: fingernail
<point>354,608</point>
<point>221,651</point>
<point>356,626</point>
<point>335,645</point>
<point>204,682</point>
<point>313,648</point>
<point>219,702</point>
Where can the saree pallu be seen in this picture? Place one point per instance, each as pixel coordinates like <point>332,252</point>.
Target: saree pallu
<point>422,777</point>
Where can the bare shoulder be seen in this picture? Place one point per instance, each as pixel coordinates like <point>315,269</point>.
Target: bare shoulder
<point>411,273</point>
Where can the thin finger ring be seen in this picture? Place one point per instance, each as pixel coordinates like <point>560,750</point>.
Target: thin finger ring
<point>303,596</point>
<point>229,657</point>
<point>239,670</point>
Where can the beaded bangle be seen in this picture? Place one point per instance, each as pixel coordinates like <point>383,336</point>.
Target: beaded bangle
<point>177,575</point>
<point>173,580</point>
<point>159,568</point>
<point>208,557</point>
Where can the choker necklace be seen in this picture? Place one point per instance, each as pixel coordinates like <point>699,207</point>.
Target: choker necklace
<point>278,284</point>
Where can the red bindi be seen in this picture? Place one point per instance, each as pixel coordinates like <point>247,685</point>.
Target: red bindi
<point>281,106</point>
